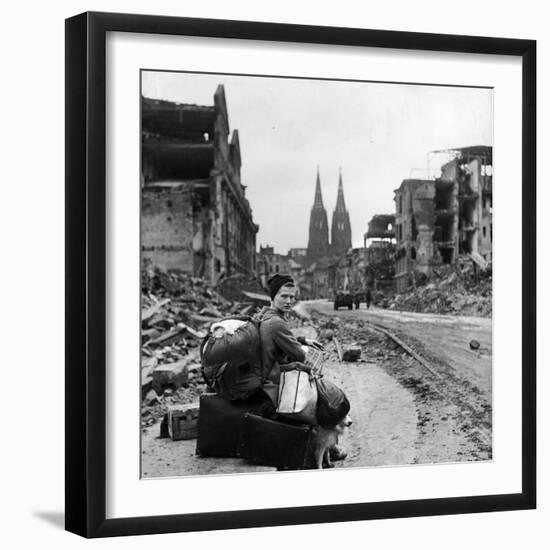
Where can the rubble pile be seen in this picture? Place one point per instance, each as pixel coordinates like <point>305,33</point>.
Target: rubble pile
<point>349,335</point>
<point>457,290</point>
<point>177,310</point>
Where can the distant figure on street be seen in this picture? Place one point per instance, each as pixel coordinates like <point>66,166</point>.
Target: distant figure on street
<point>357,299</point>
<point>368,298</point>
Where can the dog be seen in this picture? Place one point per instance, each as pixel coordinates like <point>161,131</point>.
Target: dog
<point>324,439</point>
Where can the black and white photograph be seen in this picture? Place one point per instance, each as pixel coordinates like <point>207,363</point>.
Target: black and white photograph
<point>258,286</point>
<point>316,274</point>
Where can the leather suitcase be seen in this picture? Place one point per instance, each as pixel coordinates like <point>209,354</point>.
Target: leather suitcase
<point>275,443</point>
<point>220,422</point>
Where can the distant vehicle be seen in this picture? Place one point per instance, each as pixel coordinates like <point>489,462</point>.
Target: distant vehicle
<point>343,298</point>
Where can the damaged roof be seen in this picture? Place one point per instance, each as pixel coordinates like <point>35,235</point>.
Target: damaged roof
<point>381,227</point>
<point>177,120</point>
<point>483,151</point>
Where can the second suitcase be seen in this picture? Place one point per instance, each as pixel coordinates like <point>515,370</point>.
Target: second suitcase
<point>220,422</point>
<point>275,443</point>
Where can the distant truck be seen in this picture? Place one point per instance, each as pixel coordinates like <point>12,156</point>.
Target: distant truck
<point>343,298</point>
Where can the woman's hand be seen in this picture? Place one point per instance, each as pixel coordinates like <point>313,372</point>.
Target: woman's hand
<point>304,368</point>
<point>314,344</point>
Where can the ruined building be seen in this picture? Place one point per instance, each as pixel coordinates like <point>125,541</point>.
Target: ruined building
<point>380,230</point>
<point>299,255</point>
<point>317,279</point>
<point>194,212</point>
<point>347,272</point>
<point>340,238</point>
<point>439,220</point>
<point>379,242</point>
<point>318,245</point>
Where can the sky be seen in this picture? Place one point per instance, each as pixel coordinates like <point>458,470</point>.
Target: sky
<point>378,134</point>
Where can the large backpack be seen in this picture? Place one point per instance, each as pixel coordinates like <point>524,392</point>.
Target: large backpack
<point>231,362</point>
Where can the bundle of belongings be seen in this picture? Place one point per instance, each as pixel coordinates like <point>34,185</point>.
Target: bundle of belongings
<point>311,398</point>
<point>231,358</point>
<point>246,415</point>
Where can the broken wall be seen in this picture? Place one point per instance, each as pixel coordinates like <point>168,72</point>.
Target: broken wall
<point>486,234</point>
<point>424,218</point>
<point>209,233</point>
<point>446,223</point>
<point>167,226</point>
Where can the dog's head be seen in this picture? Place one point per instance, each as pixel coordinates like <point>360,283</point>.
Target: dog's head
<point>346,422</point>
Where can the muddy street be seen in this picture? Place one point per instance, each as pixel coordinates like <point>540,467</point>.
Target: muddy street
<point>402,412</point>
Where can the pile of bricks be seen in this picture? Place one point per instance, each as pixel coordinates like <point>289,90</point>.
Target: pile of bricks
<point>452,290</point>
<point>177,310</point>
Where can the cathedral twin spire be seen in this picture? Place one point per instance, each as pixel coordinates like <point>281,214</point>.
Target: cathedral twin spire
<point>318,202</point>
<point>318,243</point>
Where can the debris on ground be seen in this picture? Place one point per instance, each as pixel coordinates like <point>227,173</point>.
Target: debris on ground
<point>363,344</point>
<point>171,375</point>
<point>177,311</point>
<point>351,353</point>
<point>436,396</point>
<point>474,344</point>
<point>461,289</point>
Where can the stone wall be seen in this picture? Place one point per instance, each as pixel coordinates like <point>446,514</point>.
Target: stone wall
<point>167,226</point>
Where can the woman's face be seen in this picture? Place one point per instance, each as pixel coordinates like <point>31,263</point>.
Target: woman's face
<point>285,299</point>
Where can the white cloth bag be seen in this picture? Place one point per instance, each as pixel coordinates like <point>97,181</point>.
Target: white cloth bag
<point>297,398</point>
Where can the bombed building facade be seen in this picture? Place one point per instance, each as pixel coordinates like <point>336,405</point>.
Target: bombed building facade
<point>379,242</point>
<point>194,212</point>
<point>439,220</point>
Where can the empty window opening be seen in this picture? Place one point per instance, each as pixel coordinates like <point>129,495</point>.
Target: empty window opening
<point>443,196</point>
<point>467,214</point>
<point>446,255</point>
<point>414,231</point>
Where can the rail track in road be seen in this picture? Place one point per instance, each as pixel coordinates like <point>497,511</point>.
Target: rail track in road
<point>440,383</point>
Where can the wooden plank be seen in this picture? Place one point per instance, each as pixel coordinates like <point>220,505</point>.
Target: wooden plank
<point>338,348</point>
<point>148,313</point>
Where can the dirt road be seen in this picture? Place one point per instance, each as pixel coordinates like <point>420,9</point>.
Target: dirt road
<point>453,407</point>
<point>445,338</point>
<point>402,413</point>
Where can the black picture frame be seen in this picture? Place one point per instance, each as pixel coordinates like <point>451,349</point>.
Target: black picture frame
<point>86,273</point>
